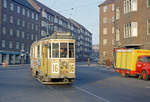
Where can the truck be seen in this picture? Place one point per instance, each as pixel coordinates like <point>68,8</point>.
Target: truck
<point>132,62</point>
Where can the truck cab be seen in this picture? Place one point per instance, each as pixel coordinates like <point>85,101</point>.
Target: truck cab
<point>143,67</point>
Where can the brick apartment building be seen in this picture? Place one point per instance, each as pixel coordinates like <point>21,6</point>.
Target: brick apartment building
<point>131,25</point>
<point>24,21</point>
<point>107,32</point>
<point>19,27</point>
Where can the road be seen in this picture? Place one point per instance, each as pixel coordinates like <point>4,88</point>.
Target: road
<point>93,84</point>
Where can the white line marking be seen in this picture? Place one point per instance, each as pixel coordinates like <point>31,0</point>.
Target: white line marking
<point>101,98</point>
<point>148,87</point>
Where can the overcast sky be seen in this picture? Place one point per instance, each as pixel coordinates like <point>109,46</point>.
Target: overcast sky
<point>85,12</point>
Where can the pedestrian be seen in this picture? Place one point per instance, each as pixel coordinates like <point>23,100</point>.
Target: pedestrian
<point>88,61</point>
<point>108,63</point>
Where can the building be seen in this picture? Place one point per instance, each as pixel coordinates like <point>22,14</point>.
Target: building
<point>132,24</point>
<point>52,21</point>
<point>107,30</point>
<point>24,21</point>
<point>95,52</point>
<point>19,24</point>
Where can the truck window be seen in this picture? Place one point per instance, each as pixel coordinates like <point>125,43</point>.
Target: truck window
<point>146,59</point>
<point>140,59</point>
<point>63,50</point>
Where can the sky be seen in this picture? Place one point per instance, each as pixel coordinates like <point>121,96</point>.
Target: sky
<point>85,12</point>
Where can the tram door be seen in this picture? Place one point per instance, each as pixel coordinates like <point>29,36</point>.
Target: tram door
<point>45,58</point>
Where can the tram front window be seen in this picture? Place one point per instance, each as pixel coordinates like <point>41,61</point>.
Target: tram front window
<point>71,50</point>
<point>55,50</point>
<point>63,50</point>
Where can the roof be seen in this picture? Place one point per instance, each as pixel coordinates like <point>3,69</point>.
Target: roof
<point>78,25</point>
<point>60,35</point>
<point>106,2</point>
<point>25,3</point>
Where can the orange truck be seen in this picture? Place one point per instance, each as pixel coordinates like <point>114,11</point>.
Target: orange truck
<point>129,62</point>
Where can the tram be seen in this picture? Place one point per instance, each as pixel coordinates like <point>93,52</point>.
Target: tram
<point>53,59</point>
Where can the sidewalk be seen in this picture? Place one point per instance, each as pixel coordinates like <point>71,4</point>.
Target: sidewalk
<point>15,65</point>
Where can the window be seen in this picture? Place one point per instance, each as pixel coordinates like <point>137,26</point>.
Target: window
<point>71,50</point>
<point>105,8</point>
<point>23,23</point>
<point>63,50</point>
<point>49,50</point>
<point>104,31</point>
<point>104,41</point>
<point>117,35</point>
<point>11,19</point>
<point>22,34</point>
<point>23,11</point>
<point>28,13</point>
<point>55,50</point>
<point>117,13</point>
<point>11,6</point>
<point>134,5</point>
<point>148,3</point>
<point>104,53</point>
<point>3,43</point>
<point>113,19</point>
<point>17,45</point>
<point>11,32</point>
<point>113,7</point>
<point>127,30</point>
<point>37,17</point>
<point>148,26</point>
<point>4,30</point>
<point>32,26</point>
<point>36,27</point>
<point>18,33</point>
<point>56,20</point>
<point>4,17</point>
<point>10,44</point>
<point>130,5</point>
<point>18,9</point>
<point>22,46</point>
<point>5,3</point>
<point>134,29</point>
<point>18,22</point>
<point>32,37</point>
<point>104,20</point>
<point>113,30</point>
<point>32,15</point>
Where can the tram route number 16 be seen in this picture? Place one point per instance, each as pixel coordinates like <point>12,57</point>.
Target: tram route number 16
<point>55,68</point>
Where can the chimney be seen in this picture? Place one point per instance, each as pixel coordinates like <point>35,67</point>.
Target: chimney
<point>34,5</point>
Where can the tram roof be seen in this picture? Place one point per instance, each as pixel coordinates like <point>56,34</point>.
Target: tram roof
<point>60,35</point>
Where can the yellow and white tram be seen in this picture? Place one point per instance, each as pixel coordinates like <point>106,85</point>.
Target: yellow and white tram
<point>53,59</point>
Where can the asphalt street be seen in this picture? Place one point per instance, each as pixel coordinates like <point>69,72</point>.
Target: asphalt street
<point>93,84</point>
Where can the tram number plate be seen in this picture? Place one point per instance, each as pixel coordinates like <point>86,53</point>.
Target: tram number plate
<point>72,68</point>
<point>55,68</point>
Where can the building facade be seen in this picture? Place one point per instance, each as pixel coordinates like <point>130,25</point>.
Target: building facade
<point>19,24</point>
<point>132,24</point>
<point>107,30</point>
<point>24,21</point>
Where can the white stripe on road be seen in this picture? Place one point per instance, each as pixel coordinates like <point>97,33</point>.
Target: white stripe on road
<point>101,98</point>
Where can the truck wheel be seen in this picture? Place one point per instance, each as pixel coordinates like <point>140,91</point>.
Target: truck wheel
<point>144,75</point>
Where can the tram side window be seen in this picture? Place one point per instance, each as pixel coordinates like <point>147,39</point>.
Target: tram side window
<point>38,51</point>
<point>63,50</point>
<point>71,50</point>
<point>49,50</point>
<point>55,50</point>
